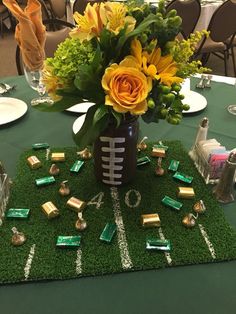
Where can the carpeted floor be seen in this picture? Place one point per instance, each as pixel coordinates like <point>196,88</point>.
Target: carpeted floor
<point>211,240</point>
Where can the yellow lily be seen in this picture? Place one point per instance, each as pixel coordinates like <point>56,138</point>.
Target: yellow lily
<point>52,82</point>
<point>113,15</point>
<point>89,25</point>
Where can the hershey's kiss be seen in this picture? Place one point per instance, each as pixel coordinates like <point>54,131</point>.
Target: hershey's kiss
<point>189,221</point>
<point>54,170</point>
<point>64,189</point>
<point>85,154</point>
<point>199,207</point>
<point>142,145</point>
<point>81,223</point>
<point>18,238</point>
<point>159,170</point>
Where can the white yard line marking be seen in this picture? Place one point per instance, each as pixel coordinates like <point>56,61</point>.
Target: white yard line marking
<point>78,262</point>
<point>167,255</point>
<point>29,261</point>
<point>208,242</point>
<point>122,242</point>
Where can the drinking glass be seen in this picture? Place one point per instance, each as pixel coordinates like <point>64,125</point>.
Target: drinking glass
<point>232,108</point>
<point>34,79</point>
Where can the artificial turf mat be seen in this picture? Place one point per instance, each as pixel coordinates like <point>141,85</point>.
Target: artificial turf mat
<point>96,257</point>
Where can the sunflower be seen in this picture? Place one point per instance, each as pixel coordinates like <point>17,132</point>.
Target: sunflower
<point>154,65</point>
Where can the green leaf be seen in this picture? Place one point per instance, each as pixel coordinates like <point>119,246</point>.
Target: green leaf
<point>105,39</point>
<point>88,133</point>
<point>97,60</point>
<point>142,26</point>
<point>151,115</point>
<point>117,116</point>
<point>101,111</point>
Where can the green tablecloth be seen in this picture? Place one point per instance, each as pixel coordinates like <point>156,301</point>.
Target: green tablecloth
<point>206,288</point>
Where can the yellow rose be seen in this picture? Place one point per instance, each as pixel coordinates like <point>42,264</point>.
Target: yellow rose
<point>126,87</point>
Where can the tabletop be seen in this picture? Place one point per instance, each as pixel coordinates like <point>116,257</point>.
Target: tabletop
<point>206,288</point>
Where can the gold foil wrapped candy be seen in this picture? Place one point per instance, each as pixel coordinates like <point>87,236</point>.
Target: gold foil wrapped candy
<point>189,220</point>
<point>81,223</point>
<point>64,189</point>
<point>34,162</point>
<point>142,145</point>
<point>50,210</point>
<point>186,192</point>
<point>18,238</point>
<point>199,207</point>
<point>54,170</point>
<point>158,152</point>
<point>58,157</point>
<point>84,154</point>
<point>150,220</point>
<point>76,204</point>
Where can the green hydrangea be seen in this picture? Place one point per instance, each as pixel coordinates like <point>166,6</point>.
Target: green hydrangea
<point>69,55</point>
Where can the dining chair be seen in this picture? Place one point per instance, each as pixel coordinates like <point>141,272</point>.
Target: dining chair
<point>58,8</point>
<point>80,5</point>
<point>189,11</point>
<point>231,44</point>
<point>222,28</point>
<point>53,39</point>
<point>4,14</point>
<point>46,10</point>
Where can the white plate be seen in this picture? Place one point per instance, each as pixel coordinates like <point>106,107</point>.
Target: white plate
<point>78,123</point>
<point>196,101</point>
<point>81,107</point>
<point>11,109</point>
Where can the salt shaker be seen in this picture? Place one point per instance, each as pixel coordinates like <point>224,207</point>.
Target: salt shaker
<point>224,189</point>
<point>201,136</point>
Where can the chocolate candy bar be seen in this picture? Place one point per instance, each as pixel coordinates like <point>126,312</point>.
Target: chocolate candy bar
<point>77,166</point>
<point>21,213</point>
<point>168,201</point>
<point>108,232</point>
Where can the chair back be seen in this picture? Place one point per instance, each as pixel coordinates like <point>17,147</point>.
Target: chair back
<point>189,11</point>
<point>222,25</point>
<point>80,5</point>
<point>45,12</point>
<point>58,8</point>
<point>53,39</point>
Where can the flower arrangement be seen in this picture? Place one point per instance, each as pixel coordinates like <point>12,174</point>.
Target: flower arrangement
<point>125,58</point>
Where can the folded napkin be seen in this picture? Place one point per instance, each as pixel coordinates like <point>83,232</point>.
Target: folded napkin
<point>30,32</point>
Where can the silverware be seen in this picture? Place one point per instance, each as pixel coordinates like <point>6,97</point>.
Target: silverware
<point>201,83</point>
<point>208,82</point>
<point>5,88</point>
